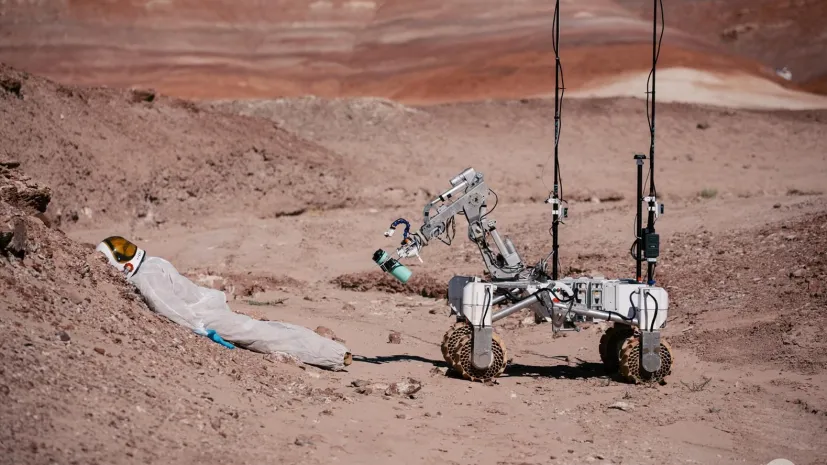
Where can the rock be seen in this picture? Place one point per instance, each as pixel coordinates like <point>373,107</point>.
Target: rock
<point>143,95</point>
<point>621,406</point>
<point>365,390</point>
<point>702,126</point>
<point>778,205</point>
<point>303,441</point>
<point>394,338</point>
<point>594,200</point>
<point>100,350</point>
<point>11,85</point>
<point>404,388</point>
<point>402,416</point>
<point>10,164</point>
<point>360,383</point>
<point>799,273</point>
<point>64,336</point>
<point>528,321</point>
<point>17,245</point>
<point>437,371</point>
<point>5,239</point>
<point>325,332</point>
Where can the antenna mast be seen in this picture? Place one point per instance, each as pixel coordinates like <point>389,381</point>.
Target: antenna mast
<point>648,241</point>
<point>556,195</point>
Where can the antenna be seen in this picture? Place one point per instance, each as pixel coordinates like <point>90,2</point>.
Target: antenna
<point>556,196</point>
<point>647,241</point>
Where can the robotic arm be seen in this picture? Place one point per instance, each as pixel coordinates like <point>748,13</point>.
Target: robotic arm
<point>467,195</point>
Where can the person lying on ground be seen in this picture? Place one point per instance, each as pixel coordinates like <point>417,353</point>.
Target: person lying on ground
<point>205,311</point>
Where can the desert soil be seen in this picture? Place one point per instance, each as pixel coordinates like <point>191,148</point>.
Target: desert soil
<point>281,204</point>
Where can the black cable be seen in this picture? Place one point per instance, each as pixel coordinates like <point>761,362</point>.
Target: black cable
<point>632,303</point>
<point>652,326</point>
<point>486,306</point>
<point>650,112</point>
<point>559,104</point>
<point>496,201</point>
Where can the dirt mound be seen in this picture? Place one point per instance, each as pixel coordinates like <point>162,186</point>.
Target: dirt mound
<point>424,285</point>
<point>754,296</point>
<point>119,155</point>
<point>88,374</point>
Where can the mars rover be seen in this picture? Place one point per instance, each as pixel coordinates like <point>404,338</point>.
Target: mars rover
<point>638,309</point>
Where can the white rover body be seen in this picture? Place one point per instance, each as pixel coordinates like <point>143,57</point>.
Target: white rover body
<point>639,311</point>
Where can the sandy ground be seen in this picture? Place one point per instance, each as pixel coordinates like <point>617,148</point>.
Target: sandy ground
<point>90,375</point>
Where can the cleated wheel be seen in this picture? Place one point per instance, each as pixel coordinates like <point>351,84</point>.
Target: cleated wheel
<point>461,359</point>
<point>610,344</point>
<point>630,363</point>
<point>452,336</point>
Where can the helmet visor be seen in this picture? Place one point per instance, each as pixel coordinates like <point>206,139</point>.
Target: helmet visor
<point>122,249</point>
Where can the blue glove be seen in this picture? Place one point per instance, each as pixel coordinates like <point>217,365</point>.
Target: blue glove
<point>213,336</point>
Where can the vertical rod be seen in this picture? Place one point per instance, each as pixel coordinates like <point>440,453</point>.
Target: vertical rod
<point>650,224</point>
<point>639,226</point>
<point>556,206</point>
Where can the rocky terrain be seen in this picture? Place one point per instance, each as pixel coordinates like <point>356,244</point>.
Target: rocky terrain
<point>281,204</point>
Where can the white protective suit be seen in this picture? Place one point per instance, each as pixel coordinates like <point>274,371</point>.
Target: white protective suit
<point>200,308</point>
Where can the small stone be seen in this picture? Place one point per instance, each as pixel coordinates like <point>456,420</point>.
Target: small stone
<point>432,311</point>
<point>594,200</point>
<point>303,441</point>
<point>702,126</point>
<point>599,457</point>
<point>404,388</point>
<point>64,336</point>
<point>778,205</point>
<point>799,273</point>
<point>143,95</point>
<point>4,390</point>
<point>394,338</point>
<point>359,383</point>
<point>621,406</point>
<point>327,412</point>
<point>364,390</point>
<point>325,332</point>
<point>402,416</point>
<point>100,350</point>
<point>11,85</point>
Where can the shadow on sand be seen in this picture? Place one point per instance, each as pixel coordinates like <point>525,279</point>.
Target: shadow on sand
<point>564,370</point>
